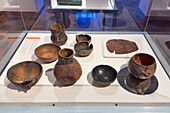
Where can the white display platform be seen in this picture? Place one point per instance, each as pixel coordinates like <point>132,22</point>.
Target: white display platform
<point>84,91</point>
<point>86,4</point>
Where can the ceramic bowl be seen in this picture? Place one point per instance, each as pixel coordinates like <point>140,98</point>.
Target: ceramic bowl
<point>83,38</point>
<point>142,65</point>
<point>47,52</point>
<point>25,74</point>
<point>104,74</point>
<point>83,48</point>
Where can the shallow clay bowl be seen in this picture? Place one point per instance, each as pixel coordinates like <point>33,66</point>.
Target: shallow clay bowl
<point>83,48</point>
<point>142,65</point>
<point>25,74</point>
<point>83,38</point>
<point>47,52</point>
<point>104,74</point>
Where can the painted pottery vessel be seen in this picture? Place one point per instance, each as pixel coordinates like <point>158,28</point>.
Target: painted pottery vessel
<point>58,35</point>
<point>67,70</point>
<point>25,74</point>
<point>142,65</point>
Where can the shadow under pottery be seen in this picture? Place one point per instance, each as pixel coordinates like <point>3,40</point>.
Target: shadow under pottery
<point>121,77</point>
<point>50,74</point>
<point>92,82</point>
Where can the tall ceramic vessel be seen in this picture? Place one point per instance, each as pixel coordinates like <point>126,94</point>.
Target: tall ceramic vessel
<point>67,70</point>
<point>58,35</point>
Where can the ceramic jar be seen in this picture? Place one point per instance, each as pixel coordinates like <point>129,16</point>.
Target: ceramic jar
<point>67,70</point>
<point>142,66</point>
<point>58,35</point>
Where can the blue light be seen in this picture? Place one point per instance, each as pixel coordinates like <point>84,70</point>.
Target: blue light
<point>84,19</point>
<point>86,15</point>
<point>140,14</point>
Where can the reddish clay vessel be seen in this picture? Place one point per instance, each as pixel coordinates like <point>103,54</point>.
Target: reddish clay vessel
<point>67,70</point>
<point>142,65</point>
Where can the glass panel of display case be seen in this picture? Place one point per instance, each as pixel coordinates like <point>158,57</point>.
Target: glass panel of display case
<point>24,25</point>
<point>161,41</point>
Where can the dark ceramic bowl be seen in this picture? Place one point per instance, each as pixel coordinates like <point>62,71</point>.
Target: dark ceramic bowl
<point>83,38</point>
<point>47,52</point>
<point>83,48</point>
<point>25,74</point>
<point>104,74</point>
<point>142,65</point>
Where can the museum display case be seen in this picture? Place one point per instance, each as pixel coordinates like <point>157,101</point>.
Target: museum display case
<point>84,57</point>
<point>85,90</point>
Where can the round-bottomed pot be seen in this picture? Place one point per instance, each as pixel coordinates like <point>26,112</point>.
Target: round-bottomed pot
<point>67,70</point>
<point>58,35</point>
<point>142,65</point>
